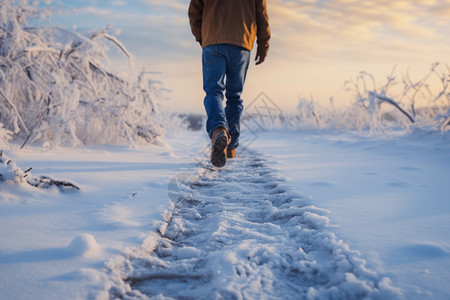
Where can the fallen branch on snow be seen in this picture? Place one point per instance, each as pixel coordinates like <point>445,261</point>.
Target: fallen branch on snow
<point>10,173</point>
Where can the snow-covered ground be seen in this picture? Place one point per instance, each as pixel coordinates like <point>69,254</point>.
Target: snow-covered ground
<point>387,198</point>
<point>299,213</point>
<point>122,192</point>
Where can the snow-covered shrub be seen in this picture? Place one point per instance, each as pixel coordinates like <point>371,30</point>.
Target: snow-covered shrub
<point>371,101</point>
<point>313,115</point>
<point>10,173</point>
<point>55,86</point>
<point>401,103</point>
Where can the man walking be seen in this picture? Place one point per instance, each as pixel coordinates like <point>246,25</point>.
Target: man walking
<point>226,30</point>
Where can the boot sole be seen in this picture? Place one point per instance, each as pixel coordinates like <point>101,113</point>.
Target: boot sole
<point>218,154</point>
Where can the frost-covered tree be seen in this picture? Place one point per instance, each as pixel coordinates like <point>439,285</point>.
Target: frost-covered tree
<point>55,86</point>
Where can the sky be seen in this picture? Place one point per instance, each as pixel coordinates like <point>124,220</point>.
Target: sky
<point>316,45</point>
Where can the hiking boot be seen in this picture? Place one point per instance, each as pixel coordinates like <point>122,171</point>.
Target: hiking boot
<point>220,140</point>
<point>231,153</point>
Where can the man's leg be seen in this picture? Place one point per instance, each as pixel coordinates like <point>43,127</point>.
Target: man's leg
<point>214,69</point>
<point>238,60</point>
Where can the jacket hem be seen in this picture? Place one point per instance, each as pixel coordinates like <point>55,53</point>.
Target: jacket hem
<point>237,43</point>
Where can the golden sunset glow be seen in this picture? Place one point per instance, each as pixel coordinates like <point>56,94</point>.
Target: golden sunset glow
<point>316,45</point>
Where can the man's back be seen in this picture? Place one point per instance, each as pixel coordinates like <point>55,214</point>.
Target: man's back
<point>236,22</point>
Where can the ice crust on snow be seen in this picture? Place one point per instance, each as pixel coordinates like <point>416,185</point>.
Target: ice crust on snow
<point>247,236</point>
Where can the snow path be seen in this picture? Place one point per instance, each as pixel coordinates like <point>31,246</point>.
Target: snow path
<point>240,233</point>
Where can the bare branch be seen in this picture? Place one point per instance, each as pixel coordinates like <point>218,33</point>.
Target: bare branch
<point>445,124</point>
<point>15,110</point>
<point>393,103</point>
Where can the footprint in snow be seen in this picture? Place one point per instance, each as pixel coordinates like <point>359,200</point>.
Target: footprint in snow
<point>240,233</point>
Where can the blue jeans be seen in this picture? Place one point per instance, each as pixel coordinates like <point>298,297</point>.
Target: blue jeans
<point>224,70</point>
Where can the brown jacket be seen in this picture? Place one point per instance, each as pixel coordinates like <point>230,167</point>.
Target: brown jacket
<point>236,22</point>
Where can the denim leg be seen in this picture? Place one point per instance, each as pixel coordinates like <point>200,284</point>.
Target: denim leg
<point>214,69</point>
<point>237,66</point>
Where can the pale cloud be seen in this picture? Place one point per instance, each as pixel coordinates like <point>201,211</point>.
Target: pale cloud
<point>119,3</point>
<point>314,29</point>
<point>352,25</point>
<point>94,10</point>
<point>145,19</point>
<point>177,5</point>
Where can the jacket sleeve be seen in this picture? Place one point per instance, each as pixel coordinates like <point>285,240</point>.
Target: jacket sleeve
<point>195,18</point>
<point>263,29</point>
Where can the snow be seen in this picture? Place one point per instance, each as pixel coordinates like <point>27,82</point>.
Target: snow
<point>253,244</point>
<point>313,213</point>
<point>300,214</point>
<point>54,244</point>
<point>84,245</point>
<point>388,198</point>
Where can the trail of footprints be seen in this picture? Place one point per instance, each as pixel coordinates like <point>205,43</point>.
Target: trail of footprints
<point>240,233</point>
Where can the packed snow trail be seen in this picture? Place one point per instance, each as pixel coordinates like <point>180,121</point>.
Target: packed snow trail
<point>239,233</point>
